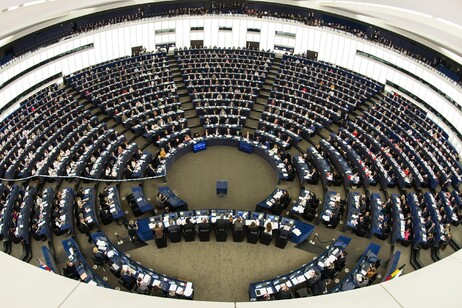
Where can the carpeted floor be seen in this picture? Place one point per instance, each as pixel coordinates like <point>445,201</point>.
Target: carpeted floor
<point>250,178</point>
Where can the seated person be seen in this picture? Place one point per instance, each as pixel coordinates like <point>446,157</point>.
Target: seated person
<point>285,199</point>
<point>127,279</point>
<point>204,225</point>
<point>70,271</point>
<point>238,224</point>
<point>284,293</point>
<point>98,256</point>
<point>361,281</point>
<point>188,225</point>
<point>158,230</point>
<point>142,287</point>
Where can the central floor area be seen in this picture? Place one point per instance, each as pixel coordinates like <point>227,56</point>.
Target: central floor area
<point>250,178</point>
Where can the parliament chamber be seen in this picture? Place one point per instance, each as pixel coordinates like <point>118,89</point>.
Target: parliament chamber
<point>228,153</point>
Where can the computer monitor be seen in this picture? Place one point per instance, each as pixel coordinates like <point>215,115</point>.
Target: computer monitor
<point>199,146</point>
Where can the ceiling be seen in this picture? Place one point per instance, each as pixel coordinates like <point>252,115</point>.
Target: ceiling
<point>433,23</point>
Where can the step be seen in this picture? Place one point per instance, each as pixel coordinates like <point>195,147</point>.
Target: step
<point>265,93</point>
<point>187,105</point>
<point>190,114</point>
<point>261,100</point>
<point>251,123</point>
<point>197,130</point>
<point>259,108</point>
<point>255,114</point>
<point>194,122</point>
<point>184,98</point>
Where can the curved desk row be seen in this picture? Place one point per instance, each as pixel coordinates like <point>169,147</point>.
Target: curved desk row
<point>300,230</point>
<point>233,141</point>
<point>86,273</point>
<point>305,273</point>
<point>357,277</point>
<point>119,261</point>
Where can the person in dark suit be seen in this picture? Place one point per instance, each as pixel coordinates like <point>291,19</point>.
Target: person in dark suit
<point>285,199</point>
<point>284,293</point>
<point>188,225</point>
<point>98,256</point>
<point>204,225</point>
<point>341,261</point>
<point>70,271</point>
<point>128,281</point>
<point>85,229</point>
<point>277,207</point>
<point>132,228</point>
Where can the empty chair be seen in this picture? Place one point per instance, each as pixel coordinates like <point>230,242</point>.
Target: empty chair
<point>238,235</point>
<point>133,205</point>
<point>204,231</point>
<point>161,242</point>
<point>221,229</point>
<point>282,238</point>
<point>302,292</point>
<point>174,233</point>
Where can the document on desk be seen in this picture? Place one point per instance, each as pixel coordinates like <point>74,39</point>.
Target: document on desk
<point>172,287</point>
<point>147,278</point>
<point>83,276</point>
<point>296,231</point>
<point>156,283</point>
<point>259,292</point>
<point>275,225</point>
<point>188,290</point>
<point>100,243</point>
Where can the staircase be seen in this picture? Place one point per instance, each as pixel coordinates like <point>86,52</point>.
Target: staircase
<point>262,99</point>
<point>190,112</point>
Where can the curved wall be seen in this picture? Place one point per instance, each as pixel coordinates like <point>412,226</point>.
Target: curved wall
<point>335,47</point>
<point>50,290</point>
<point>338,48</point>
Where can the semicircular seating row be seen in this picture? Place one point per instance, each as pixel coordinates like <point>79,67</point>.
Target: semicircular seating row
<point>393,143</point>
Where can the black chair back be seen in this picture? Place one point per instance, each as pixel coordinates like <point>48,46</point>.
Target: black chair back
<point>252,236</point>
<point>238,235</point>
<point>266,238</point>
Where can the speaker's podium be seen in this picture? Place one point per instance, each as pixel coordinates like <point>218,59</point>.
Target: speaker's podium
<point>222,188</point>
